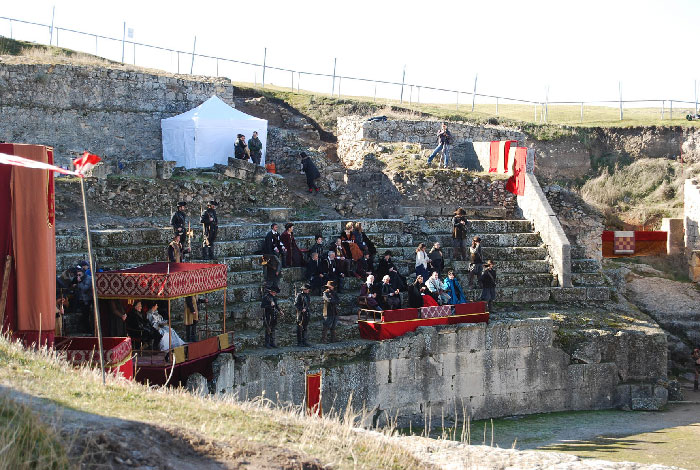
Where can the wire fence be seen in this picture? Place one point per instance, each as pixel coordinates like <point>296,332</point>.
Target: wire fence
<point>414,96</point>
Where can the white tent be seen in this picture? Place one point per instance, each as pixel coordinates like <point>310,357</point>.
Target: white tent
<point>205,135</point>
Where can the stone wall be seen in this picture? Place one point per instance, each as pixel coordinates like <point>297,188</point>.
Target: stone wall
<point>491,370</point>
<point>354,133</point>
<point>114,113</point>
<point>535,207</point>
<point>691,216</point>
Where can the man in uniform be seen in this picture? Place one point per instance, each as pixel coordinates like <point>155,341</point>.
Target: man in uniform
<point>192,317</point>
<point>270,311</point>
<point>255,147</point>
<point>180,227</point>
<point>210,224</point>
<point>303,305</point>
<point>330,312</point>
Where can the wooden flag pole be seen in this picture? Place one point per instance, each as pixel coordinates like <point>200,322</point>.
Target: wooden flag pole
<point>92,280</point>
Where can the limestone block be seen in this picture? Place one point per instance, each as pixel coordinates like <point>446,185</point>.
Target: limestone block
<point>223,373</point>
<point>542,333</point>
<point>497,336</point>
<point>468,385</point>
<point>574,376</point>
<point>598,293</point>
<point>471,337</point>
<point>447,339</point>
<point>197,384</point>
<point>403,370</point>
<point>569,294</point>
<point>520,334</point>
<point>675,233</point>
<point>164,169</point>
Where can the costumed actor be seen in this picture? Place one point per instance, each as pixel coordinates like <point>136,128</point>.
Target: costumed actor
<point>303,305</point>
<point>210,224</point>
<point>330,312</point>
<point>270,311</point>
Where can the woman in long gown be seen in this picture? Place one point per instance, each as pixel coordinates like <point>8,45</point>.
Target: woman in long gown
<point>422,262</point>
<point>294,256</point>
<point>162,326</point>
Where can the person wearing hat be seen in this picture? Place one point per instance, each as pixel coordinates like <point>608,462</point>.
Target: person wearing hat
<point>240,149</point>
<point>180,227</point>
<point>210,226</point>
<point>330,312</point>
<point>476,261</point>
<point>272,245</point>
<point>386,267</point>
<point>459,234</point>
<point>270,311</point>
<point>294,256</point>
<point>255,147</point>
<point>303,305</point>
<point>311,170</point>
<point>488,284</point>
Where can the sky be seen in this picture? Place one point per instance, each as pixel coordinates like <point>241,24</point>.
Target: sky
<point>578,51</point>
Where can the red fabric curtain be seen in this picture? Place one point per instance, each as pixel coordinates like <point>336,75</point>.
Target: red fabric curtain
<point>28,235</point>
<point>493,156</point>
<point>646,243</point>
<point>516,183</point>
<point>313,394</point>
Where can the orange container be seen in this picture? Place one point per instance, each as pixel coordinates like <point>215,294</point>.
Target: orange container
<point>270,167</point>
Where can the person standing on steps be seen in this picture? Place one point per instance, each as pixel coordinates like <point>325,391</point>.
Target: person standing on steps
<point>476,261</point>
<point>271,266</point>
<point>459,234</point>
<point>240,149</point>
<point>270,311</point>
<point>696,365</point>
<point>273,244</point>
<point>210,226</point>
<point>437,259</point>
<point>330,312</point>
<point>444,139</point>
<point>311,170</point>
<point>488,285</point>
<point>255,148</point>
<point>303,305</point>
<point>181,227</point>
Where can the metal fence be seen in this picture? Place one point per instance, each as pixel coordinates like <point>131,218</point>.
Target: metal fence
<point>414,96</point>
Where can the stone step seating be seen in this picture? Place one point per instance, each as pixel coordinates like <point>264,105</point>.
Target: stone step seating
<point>473,212</point>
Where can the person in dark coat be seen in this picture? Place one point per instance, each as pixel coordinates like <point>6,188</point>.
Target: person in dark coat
<point>318,247</point>
<point>437,260</point>
<point>444,139</point>
<point>210,224</point>
<point>139,328</point>
<point>293,256</point>
<point>309,168</point>
<point>240,149</point>
<point>476,261</point>
<point>255,148</point>
<point>303,306</point>
<point>415,293</point>
<point>368,294</point>
<point>459,234</point>
<point>365,243</point>
<point>270,312</point>
<point>315,273</point>
<point>386,267</point>
<point>488,285</point>
<point>333,271</point>
<point>273,243</point>
<point>271,266</point>
<point>180,226</point>
<point>391,298</point>
<point>330,312</point>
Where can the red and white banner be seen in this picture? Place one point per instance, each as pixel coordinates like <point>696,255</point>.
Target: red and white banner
<point>27,163</point>
<point>85,163</point>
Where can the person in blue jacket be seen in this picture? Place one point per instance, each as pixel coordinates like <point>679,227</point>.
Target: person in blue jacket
<point>454,290</point>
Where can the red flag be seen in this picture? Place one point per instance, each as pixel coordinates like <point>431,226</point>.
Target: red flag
<point>85,163</point>
<point>516,183</point>
<point>27,163</point>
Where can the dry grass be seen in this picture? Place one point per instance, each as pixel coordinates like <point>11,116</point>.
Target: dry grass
<point>26,442</point>
<point>332,439</point>
<point>642,192</point>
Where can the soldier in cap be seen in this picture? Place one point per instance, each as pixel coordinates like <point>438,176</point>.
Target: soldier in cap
<point>330,311</point>
<point>303,305</point>
<point>270,311</point>
<point>181,227</point>
<point>210,224</point>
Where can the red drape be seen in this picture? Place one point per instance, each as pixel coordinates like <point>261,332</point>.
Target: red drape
<point>493,155</point>
<point>516,183</point>
<point>381,331</point>
<point>28,235</point>
<point>313,394</point>
<point>646,243</point>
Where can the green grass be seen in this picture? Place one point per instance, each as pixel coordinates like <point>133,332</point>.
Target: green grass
<point>331,439</point>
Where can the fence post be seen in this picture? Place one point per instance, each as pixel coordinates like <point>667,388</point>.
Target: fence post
<point>95,44</point>
<point>217,66</point>
<point>418,100</point>
<point>10,29</point>
<point>335,62</point>
<point>298,82</point>
<point>403,80</point>
<point>457,105</point>
<point>124,38</point>
<point>292,81</point>
<point>474,94</point>
<point>194,46</point>
<point>535,112</point>
<point>375,92</point>
<point>410,96</point>
<point>581,111</point>
<point>178,62</point>
<point>134,44</point>
<point>497,106</point>
<point>671,110</point>
<point>695,83</point>
<point>619,86</point>
<point>340,80</point>
<point>57,36</point>
<point>264,65</point>
<point>663,103</point>
<point>53,14</point>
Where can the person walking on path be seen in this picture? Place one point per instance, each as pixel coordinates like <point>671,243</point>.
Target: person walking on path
<point>444,138</point>
<point>311,170</point>
<point>488,285</point>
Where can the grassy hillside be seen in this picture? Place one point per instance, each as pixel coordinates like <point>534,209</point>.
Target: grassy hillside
<point>76,405</point>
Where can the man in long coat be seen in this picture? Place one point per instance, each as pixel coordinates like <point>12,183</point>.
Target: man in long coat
<point>311,170</point>
<point>210,224</point>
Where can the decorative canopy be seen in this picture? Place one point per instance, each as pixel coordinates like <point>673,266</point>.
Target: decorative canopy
<point>161,281</point>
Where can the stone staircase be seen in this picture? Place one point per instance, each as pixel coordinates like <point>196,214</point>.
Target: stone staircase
<point>521,260</point>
